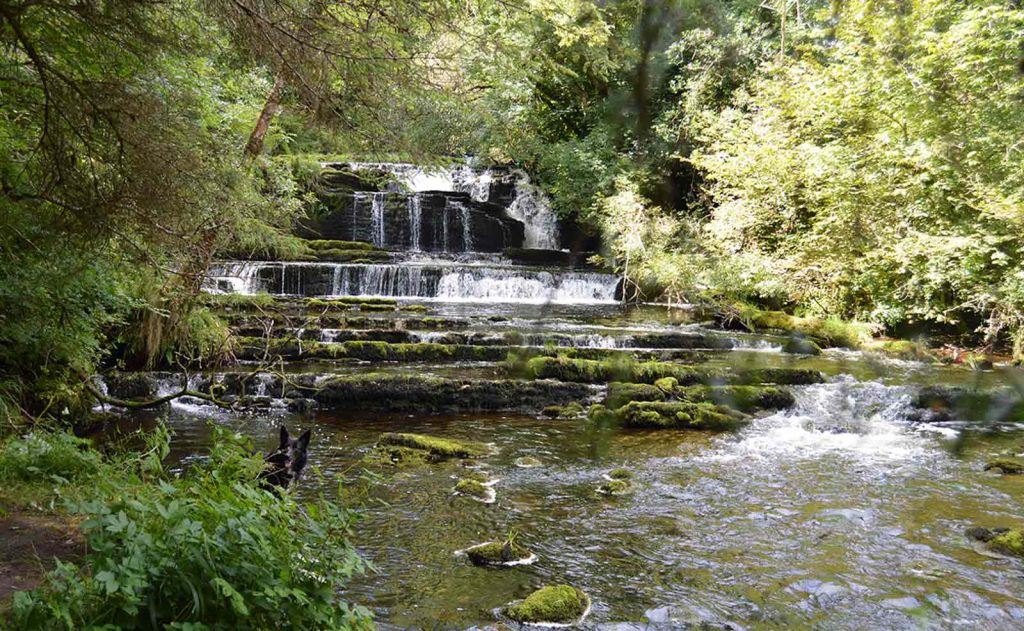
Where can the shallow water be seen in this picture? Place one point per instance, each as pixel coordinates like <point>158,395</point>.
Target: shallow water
<point>837,514</point>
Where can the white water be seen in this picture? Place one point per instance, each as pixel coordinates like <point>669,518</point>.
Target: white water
<point>864,420</point>
<point>377,217</point>
<point>440,281</point>
<point>415,221</point>
<point>530,205</point>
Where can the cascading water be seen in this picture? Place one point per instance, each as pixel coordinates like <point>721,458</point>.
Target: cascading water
<point>377,214</point>
<point>438,280</point>
<point>532,207</point>
<point>415,222</point>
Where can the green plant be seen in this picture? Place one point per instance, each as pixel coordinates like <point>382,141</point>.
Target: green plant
<point>211,550</point>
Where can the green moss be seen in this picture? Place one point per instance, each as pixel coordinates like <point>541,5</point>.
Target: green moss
<point>827,332</point>
<point>438,447</point>
<point>330,244</point>
<point>620,474</point>
<point>678,415</point>
<point>476,490</point>
<point>666,384</point>
<point>615,487</point>
<point>903,349</point>
<point>1009,542</point>
<point>528,462</point>
<point>620,394</point>
<point>476,476</point>
<point>1006,465</point>
<point>497,553</point>
<point>559,604</point>
<point>742,398</point>
<point>352,256</point>
<point>395,456</point>
<point>414,308</point>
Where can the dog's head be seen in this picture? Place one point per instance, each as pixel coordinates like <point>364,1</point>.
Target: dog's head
<point>287,462</point>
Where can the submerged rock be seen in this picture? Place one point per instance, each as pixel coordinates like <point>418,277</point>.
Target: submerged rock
<point>442,448</point>
<point>801,346</point>
<point>557,604</point>
<point>1006,464</point>
<point>527,462</point>
<point>499,553</point>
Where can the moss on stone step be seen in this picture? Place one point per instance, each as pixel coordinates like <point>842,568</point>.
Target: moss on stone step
<point>594,371</point>
<point>334,255</point>
<point>560,604</point>
<point>320,245</point>
<point>401,392</point>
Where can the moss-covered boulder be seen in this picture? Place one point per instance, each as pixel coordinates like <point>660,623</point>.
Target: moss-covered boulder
<point>439,448</point>
<point>476,476</point>
<point>1006,464</point>
<point>499,553</point>
<point>678,415</point>
<point>475,490</point>
<point>1007,541</point>
<point>570,410</point>
<point>620,473</point>
<point>130,385</point>
<point>615,487</point>
<point>558,604</point>
<point>601,371</point>
<point>620,393</point>
<point>955,402</point>
<point>901,349</point>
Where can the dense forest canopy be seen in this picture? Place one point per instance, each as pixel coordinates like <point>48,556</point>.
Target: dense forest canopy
<point>853,159</point>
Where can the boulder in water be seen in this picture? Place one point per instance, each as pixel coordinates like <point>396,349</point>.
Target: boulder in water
<point>499,553</point>
<point>1006,464</point>
<point>440,448</point>
<point>557,604</point>
<point>1007,541</point>
<point>130,385</point>
<point>619,473</point>
<point>801,346</point>
<point>678,415</point>
<point>615,487</point>
<point>476,490</point>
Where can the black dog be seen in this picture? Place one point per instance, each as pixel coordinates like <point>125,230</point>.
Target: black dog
<point>284,466</point>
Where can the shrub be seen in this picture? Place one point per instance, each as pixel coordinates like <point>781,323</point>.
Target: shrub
<point>211,550</point>
<point>53,456</point>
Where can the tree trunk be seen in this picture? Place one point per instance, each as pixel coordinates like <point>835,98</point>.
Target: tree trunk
<point>270,109</point>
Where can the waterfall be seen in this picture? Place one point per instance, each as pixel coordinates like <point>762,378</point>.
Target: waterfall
<point>529,205</point>
<point>467,232</point>
<point>532,207</point>
<point>377,218</point>
<point>440,280</point>
<point>415,219</point>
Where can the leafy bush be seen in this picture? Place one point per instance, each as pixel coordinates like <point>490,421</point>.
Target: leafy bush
<point>54,456</point>
<point>209,551</point>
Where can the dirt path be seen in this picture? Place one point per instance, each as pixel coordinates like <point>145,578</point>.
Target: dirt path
<point>29,543</point>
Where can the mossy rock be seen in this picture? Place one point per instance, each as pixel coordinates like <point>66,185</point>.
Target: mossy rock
<point>801,346</point>
<point>331,244</point>
<point>1007,464</point>
<point>352,256</point>
<point>678,415</point>
<point>666,384</point>
<point>130,385</point>
<point>528,462</point>
<point>1008,541</point>
<point>745,399</point>
<point>570,410</point>
<point>395,456</point>
<point>601,371</point>
<point>902,349</point>
<point>619,393</point>
<point>443,448</point>
<point>615,487</point>
<point>476,476</point>
<point>476,490</point>
<point>498,553</point>
<point>620,473</point>
<point>558,604</point>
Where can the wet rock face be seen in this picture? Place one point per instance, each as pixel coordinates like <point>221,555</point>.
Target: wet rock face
<point>427,222</point>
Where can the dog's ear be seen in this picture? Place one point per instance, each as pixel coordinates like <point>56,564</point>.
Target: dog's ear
<point>284,438</point>
<point>303,441</point>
